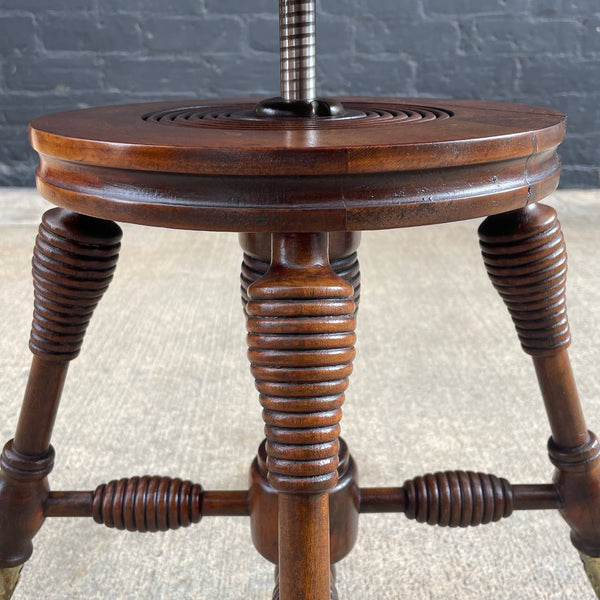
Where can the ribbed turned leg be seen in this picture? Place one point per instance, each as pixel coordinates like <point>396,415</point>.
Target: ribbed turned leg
<point>525,255</point>
<point>73,263</point>
<point>301,346</point>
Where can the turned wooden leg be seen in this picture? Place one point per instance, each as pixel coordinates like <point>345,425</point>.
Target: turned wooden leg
<point>344,504</point>
<point>343,258</point>
<point>525,255</point>
<point>73,262</point>
<point>301,346</point>
<point>333,589</point>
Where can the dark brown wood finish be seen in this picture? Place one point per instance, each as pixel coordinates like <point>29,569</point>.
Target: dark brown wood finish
<point>95,504</point>
<point>301,346</point>
<point>459,499</point>
<point>218,138</point>
<point>74,261</point>
<point>345,501</point>
<point>283,183</point>
<point>210,165</point>
<point>343,257</point>
<point>343,508</point>
<point>524,252</point>
<point>333,589</point>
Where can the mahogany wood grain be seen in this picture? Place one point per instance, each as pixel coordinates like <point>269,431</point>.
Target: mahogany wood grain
<point>23,491</point>
<point>345,501</point>
<point>69,504</point>
<point>343,508</point>
<point>536,497</point>
<point>341,245</point>
<point>343,257</point>
<point>526,257</point>
<point>333,590</point>
<point>577,478</point>
<point>299,191</point>
<point>559,391</point>
<point>304,561</point>
<point>301,346</point>
<point>525,254</point>
<point>89,504</point>
<point>395,163</point>
<point>226,504</point>
<point>73,263</point>
<point>148,504</point>
<point>40,405</point>
<point>187,138</point>
<point>400,499</point>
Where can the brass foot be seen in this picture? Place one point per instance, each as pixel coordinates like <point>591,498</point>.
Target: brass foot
<point>591,565</point>
<point>9,578</point>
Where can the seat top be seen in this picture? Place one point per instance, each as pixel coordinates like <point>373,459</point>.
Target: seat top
<point>389,162</point>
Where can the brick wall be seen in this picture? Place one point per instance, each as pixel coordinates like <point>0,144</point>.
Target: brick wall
<point>62,54</point>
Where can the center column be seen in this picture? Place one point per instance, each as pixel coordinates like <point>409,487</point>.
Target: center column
<point>301,346</point>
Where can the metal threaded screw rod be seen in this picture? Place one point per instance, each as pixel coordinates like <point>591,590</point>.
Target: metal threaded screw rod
<point>297,33</point>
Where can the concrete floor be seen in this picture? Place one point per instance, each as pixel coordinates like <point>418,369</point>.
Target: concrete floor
<point>163,387</point>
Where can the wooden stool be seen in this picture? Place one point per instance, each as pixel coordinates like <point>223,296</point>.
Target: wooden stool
<point>299,191</point>
<point>284,184</point>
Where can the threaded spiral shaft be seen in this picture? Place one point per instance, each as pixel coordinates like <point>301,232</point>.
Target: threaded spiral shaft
<point>147,504</point>
<point>74,260</point>
<point>526,258</point>
<point>297,33</point>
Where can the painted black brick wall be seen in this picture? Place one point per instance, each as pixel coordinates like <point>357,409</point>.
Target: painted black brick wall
<point>62,54</point>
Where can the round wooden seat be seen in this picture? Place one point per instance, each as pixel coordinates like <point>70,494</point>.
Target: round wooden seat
<point>213,165</point>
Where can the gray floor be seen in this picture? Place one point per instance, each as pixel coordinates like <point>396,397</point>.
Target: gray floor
<point>163,387</point>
